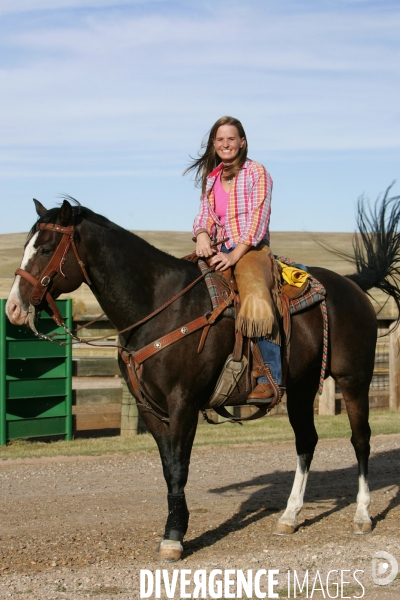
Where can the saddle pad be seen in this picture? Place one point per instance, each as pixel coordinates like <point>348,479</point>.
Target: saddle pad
<point>216,299</point>
<point>315,291</point>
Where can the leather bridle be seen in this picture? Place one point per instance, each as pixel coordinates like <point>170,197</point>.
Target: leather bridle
<point>41,285</point>
<point>133,360</point>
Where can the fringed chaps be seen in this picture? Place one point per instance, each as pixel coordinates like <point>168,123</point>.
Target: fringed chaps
<point>257,276</point>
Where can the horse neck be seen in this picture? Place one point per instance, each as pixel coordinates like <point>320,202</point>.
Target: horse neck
<point>130,278</point>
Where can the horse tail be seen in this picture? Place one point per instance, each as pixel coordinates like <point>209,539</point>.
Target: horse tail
<point>376,247</point>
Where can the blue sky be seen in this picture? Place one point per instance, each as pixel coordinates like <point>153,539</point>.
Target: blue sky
<point>105,100</point>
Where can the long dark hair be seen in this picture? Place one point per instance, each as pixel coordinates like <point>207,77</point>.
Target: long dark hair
<point>209,159</point>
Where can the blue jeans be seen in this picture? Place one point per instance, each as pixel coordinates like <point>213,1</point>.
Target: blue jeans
<point>271,354</point>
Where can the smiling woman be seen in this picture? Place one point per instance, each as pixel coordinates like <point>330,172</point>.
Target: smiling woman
<point>234,217</point>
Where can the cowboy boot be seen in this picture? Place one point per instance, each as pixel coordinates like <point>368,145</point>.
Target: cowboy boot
<point>262,391</point>
<point>263,353</point>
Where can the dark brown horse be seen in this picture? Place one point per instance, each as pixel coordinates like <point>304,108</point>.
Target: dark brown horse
<point>130,279</point>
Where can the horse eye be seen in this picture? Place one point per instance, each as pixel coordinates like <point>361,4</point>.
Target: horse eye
<point>45,251</point>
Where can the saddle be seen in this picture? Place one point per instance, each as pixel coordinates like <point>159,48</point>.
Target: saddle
<point>225,302</point>
<point>221,285</point>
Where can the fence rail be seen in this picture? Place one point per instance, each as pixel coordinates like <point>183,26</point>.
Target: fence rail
<point>101,399</point>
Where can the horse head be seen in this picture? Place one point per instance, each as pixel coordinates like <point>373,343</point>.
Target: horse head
<point>51,264</point>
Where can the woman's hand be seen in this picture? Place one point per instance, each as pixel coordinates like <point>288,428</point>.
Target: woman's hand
<point>223,261</point>
<point>203,245</point>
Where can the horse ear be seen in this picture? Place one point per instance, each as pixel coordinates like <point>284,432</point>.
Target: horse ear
<point>65,213</point>
<point>40,209</point>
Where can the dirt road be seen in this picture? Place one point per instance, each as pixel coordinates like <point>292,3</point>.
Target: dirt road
<point>84,527</point>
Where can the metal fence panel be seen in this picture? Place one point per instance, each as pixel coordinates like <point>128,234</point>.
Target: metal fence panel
<point>35,379</point>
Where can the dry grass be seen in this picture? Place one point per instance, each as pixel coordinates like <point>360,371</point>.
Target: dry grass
<point>271,430</point>
<point>299,246</point>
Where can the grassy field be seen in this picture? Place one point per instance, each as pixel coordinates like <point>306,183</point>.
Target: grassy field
<point>269,429</point>
<point>299,246</point>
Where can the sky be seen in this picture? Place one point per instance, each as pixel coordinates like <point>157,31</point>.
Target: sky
<point>107,100</point>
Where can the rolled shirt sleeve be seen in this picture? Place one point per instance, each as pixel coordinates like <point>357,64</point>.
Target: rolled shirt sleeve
<point>256,228</point>
<point>203,219</point>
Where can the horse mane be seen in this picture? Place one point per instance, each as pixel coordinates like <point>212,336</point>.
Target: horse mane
<point>78,211</point>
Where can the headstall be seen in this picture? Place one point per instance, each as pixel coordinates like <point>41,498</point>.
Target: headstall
<point>40,290</point>
<point>133,359</point>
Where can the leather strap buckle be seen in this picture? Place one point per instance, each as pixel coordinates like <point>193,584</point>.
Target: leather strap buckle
<point>45,281</point>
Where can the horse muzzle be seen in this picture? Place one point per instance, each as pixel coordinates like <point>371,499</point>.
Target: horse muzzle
<point>15,312</point>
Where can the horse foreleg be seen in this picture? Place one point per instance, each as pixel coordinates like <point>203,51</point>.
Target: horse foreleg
<point>301,416</point>
<point>287,523</point>
<point>175,444</point>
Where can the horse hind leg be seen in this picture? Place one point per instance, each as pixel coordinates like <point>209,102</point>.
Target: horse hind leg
<point>357,405</point>
<point>362,522</point>
<point>300,400</point>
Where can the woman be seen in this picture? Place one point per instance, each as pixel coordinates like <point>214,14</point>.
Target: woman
<point>236,204</point>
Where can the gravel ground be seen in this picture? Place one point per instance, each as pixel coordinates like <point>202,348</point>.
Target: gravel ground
<point>84,527</point>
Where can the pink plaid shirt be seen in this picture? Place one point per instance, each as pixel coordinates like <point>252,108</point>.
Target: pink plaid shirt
<point>248,211</point>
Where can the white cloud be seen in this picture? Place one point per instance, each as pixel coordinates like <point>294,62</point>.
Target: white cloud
<point>113,92</point>
<point>25,6</point>
<point>327,42</point>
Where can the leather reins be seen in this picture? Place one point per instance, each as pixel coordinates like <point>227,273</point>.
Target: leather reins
<point>41,293</point>
<point>133,359</point>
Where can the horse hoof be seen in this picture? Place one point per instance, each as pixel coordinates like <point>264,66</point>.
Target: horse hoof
<point>362,527</point>
<point>169,551</point>
<point>284,529</point>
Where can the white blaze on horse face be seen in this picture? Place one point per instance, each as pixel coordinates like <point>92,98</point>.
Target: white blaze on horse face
<point>30,251</point>
<point>14,298</point>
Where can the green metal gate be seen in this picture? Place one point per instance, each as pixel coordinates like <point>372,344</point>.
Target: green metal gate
<point>35,379</point>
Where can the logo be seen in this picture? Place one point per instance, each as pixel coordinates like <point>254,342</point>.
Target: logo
<point>381,563</point>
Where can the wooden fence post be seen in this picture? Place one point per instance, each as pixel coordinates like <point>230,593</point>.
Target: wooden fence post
<point>129,413</point>
<point>327,398</point>
<point>394,369</point>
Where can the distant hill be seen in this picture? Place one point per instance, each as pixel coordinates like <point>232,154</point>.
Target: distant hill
<point>299,246</point>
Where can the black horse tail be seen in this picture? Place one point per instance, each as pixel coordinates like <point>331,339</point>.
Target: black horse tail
<point>376,246</point>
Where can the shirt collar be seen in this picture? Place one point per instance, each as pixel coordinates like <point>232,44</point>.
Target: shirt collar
<point>220,166</point>
<point>216,171</point>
